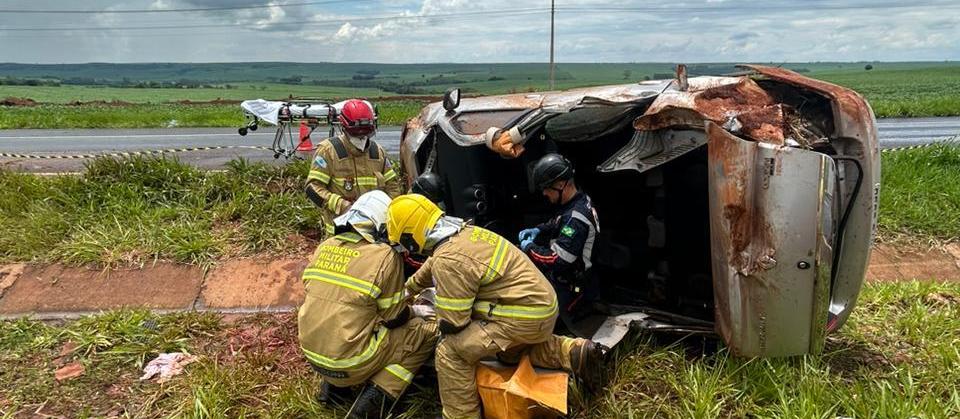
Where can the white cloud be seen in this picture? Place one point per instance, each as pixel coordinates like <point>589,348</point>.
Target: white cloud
<point>711,30</point>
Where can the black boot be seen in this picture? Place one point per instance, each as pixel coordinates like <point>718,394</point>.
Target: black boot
<point>588,366</point>
<point>373,403</point>
<point>330,394</point>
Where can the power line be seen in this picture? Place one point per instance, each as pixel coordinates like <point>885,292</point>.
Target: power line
<point>262,31</point>
<point>288,23</point>
<point>479,13</point>
<point>729,8</point>
<point>665,9</point>
<point>200,9</point>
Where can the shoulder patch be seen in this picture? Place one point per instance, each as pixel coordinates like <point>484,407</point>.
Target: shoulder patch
<point>567,231</point>
<point>319,161</point>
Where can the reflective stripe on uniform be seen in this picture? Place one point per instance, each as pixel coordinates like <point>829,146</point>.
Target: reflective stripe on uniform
<point>496,262</point>
<point>318,175</point>
<point>563,253</point>
<point>333,203</point>
<point>342,280</point>
<point>329,228</point>
<point>349,237</point>
<point>581,217</point>
<point>454,304</point>
<point>401,372</point>
<point>516,312</point>
<point>360,181</point>
<point>367,181</point>
<point>338,364</point>
<point>387,302</point>
<point>389,175</point>
<point>588,243</point>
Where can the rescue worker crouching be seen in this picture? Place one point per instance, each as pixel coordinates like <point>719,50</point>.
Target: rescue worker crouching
<point>562,247</point>
<point>490,300</point>
<point>431,186</point>
<point>354,325</point>
<point>349,164</point>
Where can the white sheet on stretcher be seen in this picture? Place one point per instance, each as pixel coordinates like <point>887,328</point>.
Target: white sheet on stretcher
<point>269,111</point>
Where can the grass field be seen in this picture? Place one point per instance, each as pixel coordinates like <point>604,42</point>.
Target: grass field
<point>133,210</point>
<point>895,358</point>
<point>243,91</point>
<point>893,89</point>
<point>906,92</point>
<point>158,115</point>
<point>920,193</point>
<point>123,211</point>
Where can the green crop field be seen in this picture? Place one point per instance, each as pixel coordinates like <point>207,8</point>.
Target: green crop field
<point>893,89</point>
<point>151,115</point>
<point>242,91</point>
<point>931,91</point>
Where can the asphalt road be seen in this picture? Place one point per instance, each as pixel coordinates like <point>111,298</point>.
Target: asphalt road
<point>894,132</point>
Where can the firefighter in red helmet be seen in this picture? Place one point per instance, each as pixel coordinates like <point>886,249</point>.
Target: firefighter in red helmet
<point>349,164</point>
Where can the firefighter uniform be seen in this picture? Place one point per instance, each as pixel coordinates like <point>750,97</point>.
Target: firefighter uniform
<point>340,172</point>
<point>491,300</point>
<point>354,325</point>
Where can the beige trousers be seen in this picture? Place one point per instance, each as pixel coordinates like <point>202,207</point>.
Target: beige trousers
<point>508,339</point>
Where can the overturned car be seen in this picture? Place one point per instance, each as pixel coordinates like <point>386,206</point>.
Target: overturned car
<point>743,205</point>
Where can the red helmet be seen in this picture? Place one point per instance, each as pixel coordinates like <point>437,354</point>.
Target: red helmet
<point>357,118</point>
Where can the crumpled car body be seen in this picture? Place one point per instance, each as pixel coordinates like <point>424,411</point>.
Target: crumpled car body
<point>743,206</point>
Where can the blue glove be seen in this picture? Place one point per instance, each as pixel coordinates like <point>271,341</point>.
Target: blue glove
<point>524,245</point>
<point>528,234</point>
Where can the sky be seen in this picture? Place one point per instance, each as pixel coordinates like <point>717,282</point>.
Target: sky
<point>425,31</point>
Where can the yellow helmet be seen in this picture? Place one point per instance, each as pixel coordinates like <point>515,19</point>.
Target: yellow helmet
<point>411,214</point>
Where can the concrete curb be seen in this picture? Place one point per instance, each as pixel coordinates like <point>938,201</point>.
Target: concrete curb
<point>273,285</point>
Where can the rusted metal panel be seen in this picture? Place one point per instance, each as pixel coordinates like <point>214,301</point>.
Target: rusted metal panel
<point>854,118</point>
<point>682,83</point>
<point>742,106</point>
<point>855,134</point>
<point>769,265</point>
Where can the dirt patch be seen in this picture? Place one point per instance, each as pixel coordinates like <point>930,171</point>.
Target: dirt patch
<point>57,288</point>
<point>18,101</point>
<point>849,357</point>
<point>100,103</point>
<point>261,338</point>
<point>254,283</point>
<point>894,263</point>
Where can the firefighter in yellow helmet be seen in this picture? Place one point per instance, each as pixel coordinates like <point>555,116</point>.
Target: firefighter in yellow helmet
<point>349,164</point>
<point>490,300</point>
<point>354,325</point>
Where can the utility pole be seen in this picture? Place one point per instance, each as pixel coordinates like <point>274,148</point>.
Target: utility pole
<point>552,12</point>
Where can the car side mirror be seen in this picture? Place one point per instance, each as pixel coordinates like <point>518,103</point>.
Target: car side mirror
<point>451,99</point>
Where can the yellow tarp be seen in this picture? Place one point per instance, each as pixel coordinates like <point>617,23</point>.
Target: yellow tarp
<point>521,392</point>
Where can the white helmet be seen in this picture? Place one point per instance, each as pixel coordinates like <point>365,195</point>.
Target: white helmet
<point>367,215</point>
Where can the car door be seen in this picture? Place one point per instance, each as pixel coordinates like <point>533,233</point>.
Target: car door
<point>771,226</point>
